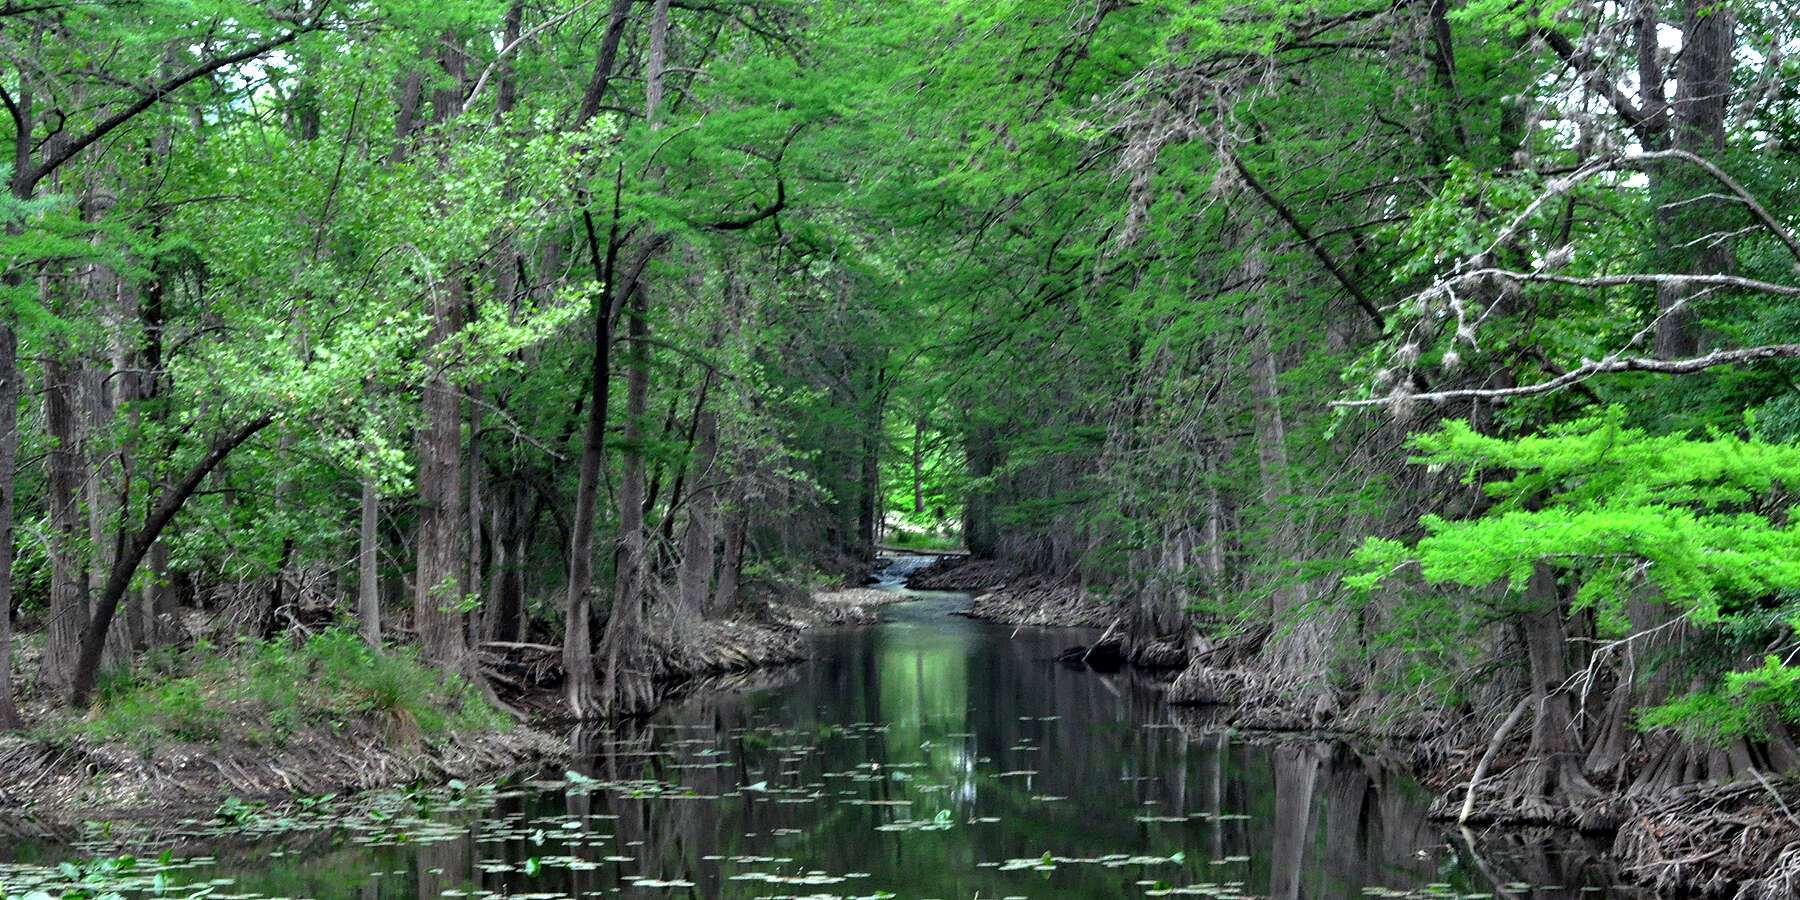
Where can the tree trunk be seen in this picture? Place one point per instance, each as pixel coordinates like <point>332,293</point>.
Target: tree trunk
<point>616,19</point>
<point>1554,782</point>
<point>582,686</point>
<point>918,466</point>
<point>868,502</point>
<point>657,64</point>
<point>68,572</point>
<point>627,687</point>
<point>506,599</point>
<point>695,576</point>
<point>438,606</point>
<point>1269,426</point>
<point>472,515</point>
<point>9,456</point>
<point>1686,221</point>
<point>93,639</point>
<point>731,563</point>
<point>981,534</point>
<point>368,582</point>
<point>438,599</point>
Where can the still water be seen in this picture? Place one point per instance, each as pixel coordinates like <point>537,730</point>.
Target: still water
<point>929,757</point>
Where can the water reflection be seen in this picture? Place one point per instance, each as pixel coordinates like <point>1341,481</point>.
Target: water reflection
<point>929,757</point>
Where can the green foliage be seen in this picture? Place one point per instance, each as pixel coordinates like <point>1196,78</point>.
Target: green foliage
<point>1698,524</point>
<point>1744,704</point>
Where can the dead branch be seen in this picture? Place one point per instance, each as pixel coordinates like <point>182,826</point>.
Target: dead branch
<point>1590,368</point>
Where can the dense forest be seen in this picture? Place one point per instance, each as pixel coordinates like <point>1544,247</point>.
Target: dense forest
<point>1433,355</point>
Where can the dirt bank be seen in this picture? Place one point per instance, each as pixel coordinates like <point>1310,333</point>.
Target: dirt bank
<point>1034,600</point>
<point>852,606</point>
<point>52,786</point>
<point>1005,596</point>
<point>58,777</point>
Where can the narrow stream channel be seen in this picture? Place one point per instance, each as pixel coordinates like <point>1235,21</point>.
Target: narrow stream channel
<point>928,757</point>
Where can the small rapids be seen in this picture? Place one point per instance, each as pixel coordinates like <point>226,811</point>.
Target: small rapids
<point>898,568</point>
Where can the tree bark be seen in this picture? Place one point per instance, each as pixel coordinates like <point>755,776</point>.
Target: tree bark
<point>627,688</point>
<point>441,569</point>
<point>438,599</point>
<point>695,576</point>
<point>68,573</point>
<point>918,466</point>
<point>582,686</point>
<point>868,495</point>
<point>1703,94</point>
<point>657,63</point>
<point>1554,781</point>
<point>616,18</point>
<point>9,455</point>
<point>368,582</point>
<point>731,563</point>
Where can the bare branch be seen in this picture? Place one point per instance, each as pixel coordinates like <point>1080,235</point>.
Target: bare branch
<point>12,109</point>
<point>1636,161</point>
<point>1637,278</point>
<point>1306,237</point>
<point>1762,214</point>
<point>1590,368</point>
<point>1646,127</point>
<point>481,81</point>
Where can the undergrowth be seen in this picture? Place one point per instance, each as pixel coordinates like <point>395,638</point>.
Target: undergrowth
<point>918,540</point>
<point>267,692</point>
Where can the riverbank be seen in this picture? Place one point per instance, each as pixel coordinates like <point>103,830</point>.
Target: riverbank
<point>53,787</point>
<point>274,722</point>
<point>1739,839</point>
<point>1736,840</point>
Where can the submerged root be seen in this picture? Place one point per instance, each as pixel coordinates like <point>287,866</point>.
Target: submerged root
<point>1258,700</point>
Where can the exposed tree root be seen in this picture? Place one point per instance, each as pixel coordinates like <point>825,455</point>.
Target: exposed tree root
<point>1535,791</point>
<point>1039,601</point>
<point>1739,840</point>
<point>1164,652</point>
<point>1258,700</point>
<point>698,649</point>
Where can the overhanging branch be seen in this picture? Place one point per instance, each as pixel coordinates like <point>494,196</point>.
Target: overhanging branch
<point>153,95</point>
<point>1590,368</point>
<point>1312,243</point>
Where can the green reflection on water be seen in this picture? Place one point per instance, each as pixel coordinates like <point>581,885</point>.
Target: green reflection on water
<point>931,757</point>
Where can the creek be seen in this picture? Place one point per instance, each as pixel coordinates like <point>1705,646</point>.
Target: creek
<point>928,757</point>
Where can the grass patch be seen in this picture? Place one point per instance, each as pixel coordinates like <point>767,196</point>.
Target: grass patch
<point>266,692</point>
<point>921,540</point>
